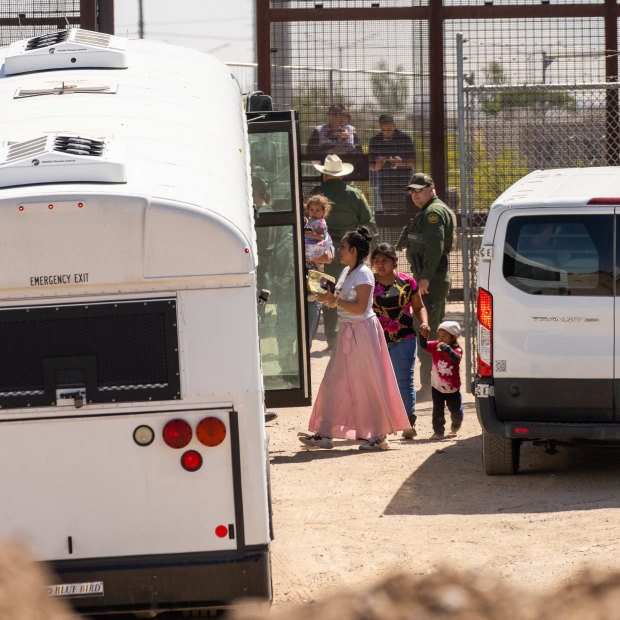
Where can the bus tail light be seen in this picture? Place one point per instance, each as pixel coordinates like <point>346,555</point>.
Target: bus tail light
<point>191,460</point>
<point>485,333</point>
<point>177,433</point>
<point>211,431</point>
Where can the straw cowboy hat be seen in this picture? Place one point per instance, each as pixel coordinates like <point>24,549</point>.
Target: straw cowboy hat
<point>334,167</point>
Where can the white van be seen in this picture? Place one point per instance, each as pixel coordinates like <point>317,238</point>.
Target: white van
<point>132,432</point>
<point>548,348</point>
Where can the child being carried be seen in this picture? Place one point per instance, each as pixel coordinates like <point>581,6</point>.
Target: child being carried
<point>316,237</point>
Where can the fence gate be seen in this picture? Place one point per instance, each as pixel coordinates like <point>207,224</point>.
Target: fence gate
<point>507,130</point>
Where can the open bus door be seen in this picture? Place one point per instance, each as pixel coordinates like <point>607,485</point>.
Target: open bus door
<point>285,351</point>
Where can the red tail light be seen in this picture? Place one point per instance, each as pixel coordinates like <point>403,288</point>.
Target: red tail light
<point>485,333</point>
<point>484,369</point>
<point>604,201</point>
<point>211,431</point>
<point>485,308</point>
<point>191,460</point>
<point>177,433</point>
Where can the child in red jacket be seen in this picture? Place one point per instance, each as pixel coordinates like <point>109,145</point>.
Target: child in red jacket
<point>445,377</point>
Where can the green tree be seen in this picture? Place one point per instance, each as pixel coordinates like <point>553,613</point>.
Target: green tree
<point>390,90</point>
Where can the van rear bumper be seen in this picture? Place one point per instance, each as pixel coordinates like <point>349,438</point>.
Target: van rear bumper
<point>527,429</point>
<point>169,582</point>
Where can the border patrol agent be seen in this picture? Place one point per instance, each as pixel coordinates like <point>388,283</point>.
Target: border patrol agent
<point>428,239</point>
<point>349,211</point>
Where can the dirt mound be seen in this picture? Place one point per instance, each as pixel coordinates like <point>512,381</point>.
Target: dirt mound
<point>460,596</point>
<point>22,588</point>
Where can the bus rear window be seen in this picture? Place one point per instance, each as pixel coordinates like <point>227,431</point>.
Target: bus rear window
<point>115,351</point>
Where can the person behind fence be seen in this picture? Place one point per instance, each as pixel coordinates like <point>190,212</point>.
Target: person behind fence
<point>396,298</point>
<point>446,379</point>
<point>358,397</point>
<point>391,154</point>
<point>349,210</point>
<point>336,136</point>
<point>428,238</point>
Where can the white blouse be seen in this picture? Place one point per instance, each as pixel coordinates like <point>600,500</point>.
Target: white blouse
<point>346,290</point>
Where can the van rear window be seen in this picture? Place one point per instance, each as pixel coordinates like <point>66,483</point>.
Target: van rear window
<point>560,254</point>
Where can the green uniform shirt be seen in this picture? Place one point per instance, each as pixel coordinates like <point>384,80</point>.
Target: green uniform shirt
<point>428,238</point>
<point>349,209</point>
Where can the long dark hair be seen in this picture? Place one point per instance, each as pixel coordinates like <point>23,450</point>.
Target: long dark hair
<point>360,240</point>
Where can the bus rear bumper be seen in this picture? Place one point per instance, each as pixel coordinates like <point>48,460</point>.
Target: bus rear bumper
<point>168,582</point>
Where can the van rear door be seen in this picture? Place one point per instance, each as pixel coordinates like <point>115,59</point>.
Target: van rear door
<point>553,314</point>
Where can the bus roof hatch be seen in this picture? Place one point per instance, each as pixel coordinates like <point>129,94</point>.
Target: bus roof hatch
<point>67,49</point>
<point>61,158</point>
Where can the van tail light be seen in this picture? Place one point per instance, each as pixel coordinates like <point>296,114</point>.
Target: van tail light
<point>485,333</point>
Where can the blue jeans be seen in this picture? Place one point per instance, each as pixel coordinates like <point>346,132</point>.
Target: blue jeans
<point>403,355</point>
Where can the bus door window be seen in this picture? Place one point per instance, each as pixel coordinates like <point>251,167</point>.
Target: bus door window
<point>278,317</point>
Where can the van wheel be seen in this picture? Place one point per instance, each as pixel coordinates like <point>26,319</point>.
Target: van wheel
<point>500,455</point>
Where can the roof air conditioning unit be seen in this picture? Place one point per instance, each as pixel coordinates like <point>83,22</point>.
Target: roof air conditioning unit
<point>67,49</point>
<point>61,158</point>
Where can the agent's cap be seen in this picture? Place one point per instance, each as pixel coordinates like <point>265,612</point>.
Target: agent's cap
<point>385,119</point>
<point>452,327</point>
<point>420,180</point>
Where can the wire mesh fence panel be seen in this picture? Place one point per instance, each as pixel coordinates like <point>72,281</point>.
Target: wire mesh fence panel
<point>536,95</point>
<point>526,99</point>
<point>50,15</point>
<point>341,77</point>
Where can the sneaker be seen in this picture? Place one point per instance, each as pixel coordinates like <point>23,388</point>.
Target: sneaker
<point>376,443</point>
<point>437,436</point>
<point>410,433</point>
<point>316,441</point>
<point>455,428</point>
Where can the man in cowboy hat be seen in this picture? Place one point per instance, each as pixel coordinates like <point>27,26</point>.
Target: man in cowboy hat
<point>349,210</point>
<point>428,238</point>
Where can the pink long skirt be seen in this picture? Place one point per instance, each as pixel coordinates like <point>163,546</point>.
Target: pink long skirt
<point>359,397</point>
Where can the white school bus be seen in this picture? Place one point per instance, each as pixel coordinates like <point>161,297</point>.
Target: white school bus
<point>132,434</point>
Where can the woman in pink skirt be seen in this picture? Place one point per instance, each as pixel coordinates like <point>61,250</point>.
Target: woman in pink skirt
<point>358,397</point>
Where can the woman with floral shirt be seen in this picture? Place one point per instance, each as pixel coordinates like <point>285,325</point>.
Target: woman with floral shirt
<point>396,295</point>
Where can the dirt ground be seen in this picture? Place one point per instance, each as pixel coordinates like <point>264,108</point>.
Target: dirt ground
<point>345,519</point>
